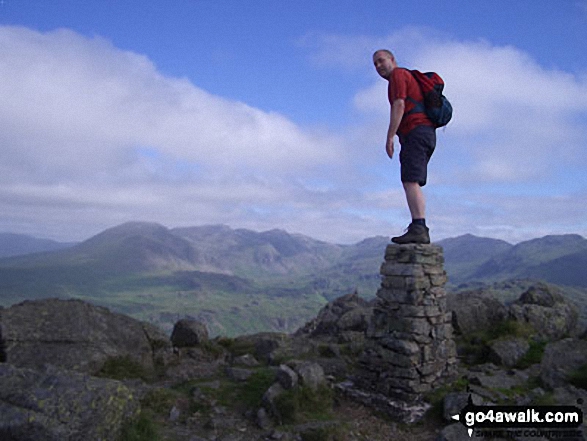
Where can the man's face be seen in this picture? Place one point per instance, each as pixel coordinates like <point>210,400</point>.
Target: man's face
<point>383,63</point>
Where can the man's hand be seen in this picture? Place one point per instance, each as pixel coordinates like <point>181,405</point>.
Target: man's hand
<point>389,147</point>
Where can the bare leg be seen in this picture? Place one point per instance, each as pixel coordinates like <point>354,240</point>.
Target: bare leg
<point>416,200</point>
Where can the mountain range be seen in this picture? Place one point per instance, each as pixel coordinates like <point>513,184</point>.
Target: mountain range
<point>19,244</point>
<point>242,281</point>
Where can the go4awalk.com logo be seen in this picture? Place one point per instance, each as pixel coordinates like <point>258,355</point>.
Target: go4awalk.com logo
<point>515,421</point>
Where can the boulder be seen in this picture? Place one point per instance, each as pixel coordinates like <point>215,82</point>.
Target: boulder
<point>270,399</point>
<point>53,404</point>
<point>274,347</point>
<point>310,374</point>
<point>547,310</point>
<point>508,352</point>
<point>263,344</point>
<point>542,294</point>
<point>238,374</point>
<point>560,359</point>
<point>188,333</point>
<point>349,313</point>
<point>246,360</point>
<point>75,335</point>
<point>474,311</point>
<point>287,377</point>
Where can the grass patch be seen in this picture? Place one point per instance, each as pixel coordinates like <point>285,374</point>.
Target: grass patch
<point>142,428</point>
<point>510,328</point>
<point>436,398</point>
<point>160,401</point>
<point>124,368</point>
<point>324,433</point>
<point>304,404</point>
<point>237,346</point>
<point>212,348</point>
<point>248,395</point>
<point>475,347</point>
<point>533,355</point>
<point>251,392</point>
<point>155,406</point>
<point>578,377</point>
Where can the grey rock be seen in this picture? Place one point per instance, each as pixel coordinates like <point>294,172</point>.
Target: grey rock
<point>560,359</point>
<point>293,347</point>
<point>53,404</point>
<point>530,397</point>
<point>270,397</point>
<point>311,375</point>
<point>407,412</point>
<point>188,333</point>
<point>75,335</point>
<point>263,420</point>
<point>239,374</point>
<point>174,414</point>
<point>508,352</point>
<point>474,311</point>
<point>454,402</point>
<point>287,377</point>
<point>247,360</point>
<point>263,343</point>
<point>356,319</point>
<point>542,294</point>
<point>548,311</point>
<point>346,313</point>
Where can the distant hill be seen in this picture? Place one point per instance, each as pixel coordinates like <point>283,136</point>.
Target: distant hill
<point>551,258</point>
<point>464,255</point>
<point>262,255</point>
<point>20,244</point>
<point>237,280</point>
<point>241,281</point>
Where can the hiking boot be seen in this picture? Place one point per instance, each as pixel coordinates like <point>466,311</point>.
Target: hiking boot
<point>415,234</point>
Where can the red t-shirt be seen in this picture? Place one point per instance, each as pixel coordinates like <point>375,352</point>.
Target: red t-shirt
<point>401,86</point>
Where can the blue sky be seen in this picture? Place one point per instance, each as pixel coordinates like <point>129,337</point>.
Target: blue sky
<point>269,114</point>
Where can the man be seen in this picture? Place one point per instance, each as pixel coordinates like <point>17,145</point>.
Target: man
<point>417,137</point>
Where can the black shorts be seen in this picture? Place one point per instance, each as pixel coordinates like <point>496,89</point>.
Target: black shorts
<point>416,149</point>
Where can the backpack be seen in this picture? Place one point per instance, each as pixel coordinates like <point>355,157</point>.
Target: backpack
<point>436,106</point>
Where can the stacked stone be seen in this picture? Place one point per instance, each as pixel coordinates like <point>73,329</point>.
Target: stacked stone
<point>410,348</point>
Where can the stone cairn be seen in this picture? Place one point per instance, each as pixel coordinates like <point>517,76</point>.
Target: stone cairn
<point>409,349</point>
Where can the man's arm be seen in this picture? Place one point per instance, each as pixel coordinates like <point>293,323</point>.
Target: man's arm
<point>397,112</point>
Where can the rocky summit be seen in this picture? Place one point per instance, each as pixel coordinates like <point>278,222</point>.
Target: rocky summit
<point>75,335</point>
<point>360,370</point>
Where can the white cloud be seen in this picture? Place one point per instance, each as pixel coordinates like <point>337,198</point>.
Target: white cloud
<point>94,136</point>
<point>72,102</point>
<point>99,135</point>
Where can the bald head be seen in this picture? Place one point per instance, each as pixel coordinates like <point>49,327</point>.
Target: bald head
<point>384,62</point>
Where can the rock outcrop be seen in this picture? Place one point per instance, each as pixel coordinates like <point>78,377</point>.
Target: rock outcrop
<point>560,359</point>
<point>548,311</point>
<point>53,404</point>
<point>75,335</point>
<point>343,320</point>
<point>189,332</point>
<point>474,311</point>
